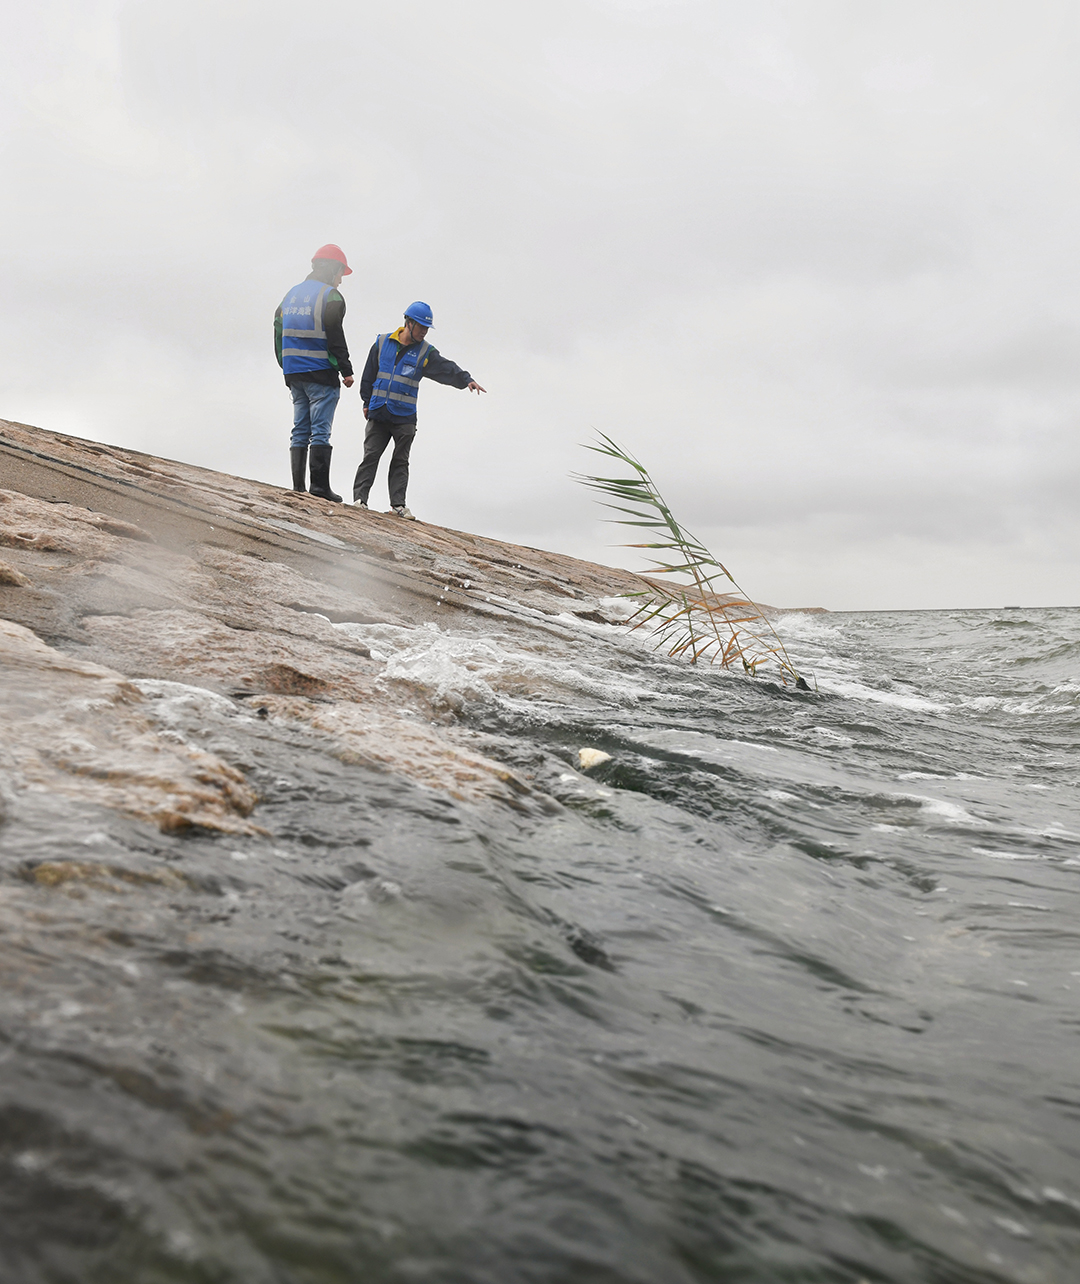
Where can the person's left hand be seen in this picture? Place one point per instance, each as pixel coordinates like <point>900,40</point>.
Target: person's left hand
<point>347,380</point>
<point>473,386</point>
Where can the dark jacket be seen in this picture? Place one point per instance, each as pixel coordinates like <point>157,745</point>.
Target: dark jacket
<point>437,367</point>
<point>333,318</point>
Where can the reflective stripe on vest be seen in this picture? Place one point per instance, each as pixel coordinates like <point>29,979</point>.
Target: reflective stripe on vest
<point>302,322</point>
<point>393,387</point>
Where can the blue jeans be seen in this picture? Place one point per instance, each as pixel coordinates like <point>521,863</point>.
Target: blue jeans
<point>313,413</point>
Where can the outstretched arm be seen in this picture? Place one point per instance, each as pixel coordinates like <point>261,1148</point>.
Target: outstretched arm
<point>443,370</point>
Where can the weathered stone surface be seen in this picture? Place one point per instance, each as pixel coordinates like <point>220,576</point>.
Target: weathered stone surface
<point>113,878</point>
<point>185,646</point>
<point>79,729</point>
<point>62,528</point>
<point>377,736</point>
<point>9,575</point>
<point>134,568</point>
<point>238,591</point>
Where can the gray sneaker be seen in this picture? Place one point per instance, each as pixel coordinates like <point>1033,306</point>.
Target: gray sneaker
<point>401,511</point>
<point>359,503</point>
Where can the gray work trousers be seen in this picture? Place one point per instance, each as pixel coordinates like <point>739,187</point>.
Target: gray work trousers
<point>376,439</point>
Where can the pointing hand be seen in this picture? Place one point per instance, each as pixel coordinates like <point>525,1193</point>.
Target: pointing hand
<point>473,386</point>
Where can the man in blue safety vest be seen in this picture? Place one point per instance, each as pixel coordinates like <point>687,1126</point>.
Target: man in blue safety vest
<point>312,353</point>
<point>388,387</point>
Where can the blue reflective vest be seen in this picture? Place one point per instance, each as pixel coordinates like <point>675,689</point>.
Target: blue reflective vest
<point>398,380</point>
<point>303,339</point>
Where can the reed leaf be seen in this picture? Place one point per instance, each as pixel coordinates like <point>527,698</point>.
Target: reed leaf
<point>689,617</point>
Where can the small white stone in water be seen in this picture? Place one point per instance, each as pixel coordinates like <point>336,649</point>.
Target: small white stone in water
<point>589,758</point>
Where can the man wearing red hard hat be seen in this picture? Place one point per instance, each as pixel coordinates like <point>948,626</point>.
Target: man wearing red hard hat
<point>312,353</point>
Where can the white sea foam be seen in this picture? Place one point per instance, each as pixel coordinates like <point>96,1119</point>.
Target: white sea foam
<point>805,627</point>
<point>837,737</point>
<point>618,608</point>
<point>1057,831</point>
<point>459,667</point>
<point>901,700</point>
<point>1061,699</point>
<point>996,854</point>
<point>952,812</point>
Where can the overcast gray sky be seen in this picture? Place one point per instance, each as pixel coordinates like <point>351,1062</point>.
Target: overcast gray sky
<point>814,261</point>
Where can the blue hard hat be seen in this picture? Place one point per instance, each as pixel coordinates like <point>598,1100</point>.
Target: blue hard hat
<point>419,312</point>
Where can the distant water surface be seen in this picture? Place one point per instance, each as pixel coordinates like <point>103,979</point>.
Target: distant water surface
<point>786,991</point>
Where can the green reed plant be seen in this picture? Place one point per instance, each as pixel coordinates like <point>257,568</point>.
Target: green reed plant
<point>691,614</point>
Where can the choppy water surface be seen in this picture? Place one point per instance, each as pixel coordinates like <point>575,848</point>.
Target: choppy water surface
<point>786,991</point>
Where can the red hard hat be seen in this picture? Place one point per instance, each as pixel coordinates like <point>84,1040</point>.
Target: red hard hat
<point>336,253</point>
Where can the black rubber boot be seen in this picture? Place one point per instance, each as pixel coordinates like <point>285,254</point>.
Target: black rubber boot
<point>320,473</point>
<point>299,467</point>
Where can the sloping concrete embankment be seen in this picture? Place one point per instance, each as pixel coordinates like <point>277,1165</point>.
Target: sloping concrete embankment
<point>118,567</point>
